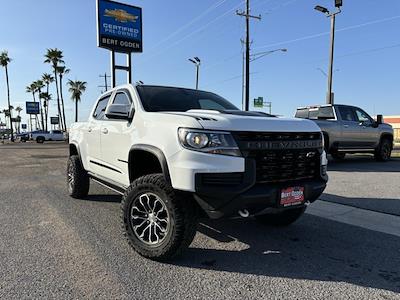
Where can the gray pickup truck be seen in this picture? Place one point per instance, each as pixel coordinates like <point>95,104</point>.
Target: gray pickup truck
<point>349,129</point>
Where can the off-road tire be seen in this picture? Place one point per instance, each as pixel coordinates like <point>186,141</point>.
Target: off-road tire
<point>182,211</point>
<point>338,155</point>
<point>40,140</point>
<point>282,219</point>
<point>384,150</point>
<point>79,187</point>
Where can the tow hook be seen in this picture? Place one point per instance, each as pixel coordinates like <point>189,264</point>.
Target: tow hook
<point>244,213</point>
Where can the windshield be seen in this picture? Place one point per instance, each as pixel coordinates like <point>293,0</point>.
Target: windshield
<point>155,98</point>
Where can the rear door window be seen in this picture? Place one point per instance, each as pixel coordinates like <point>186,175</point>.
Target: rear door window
<point>302,113</point>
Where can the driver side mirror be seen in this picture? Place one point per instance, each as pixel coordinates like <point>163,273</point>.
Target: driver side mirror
<point>379,119</point>
<point>119,112</point>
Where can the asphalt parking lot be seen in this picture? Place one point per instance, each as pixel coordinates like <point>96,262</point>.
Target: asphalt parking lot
<point>57,247</point>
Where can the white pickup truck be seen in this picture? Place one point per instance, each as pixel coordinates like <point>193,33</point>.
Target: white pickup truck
<point>42,136</point>
<point>179,154</point>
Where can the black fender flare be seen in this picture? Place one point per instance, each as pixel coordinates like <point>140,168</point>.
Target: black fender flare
<point>157,153</point>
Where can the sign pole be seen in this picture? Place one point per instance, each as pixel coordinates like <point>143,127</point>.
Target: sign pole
<point>113,79</point>
<point>129,62</point>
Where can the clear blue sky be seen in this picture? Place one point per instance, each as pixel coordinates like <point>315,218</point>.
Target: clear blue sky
<point>367,49</point>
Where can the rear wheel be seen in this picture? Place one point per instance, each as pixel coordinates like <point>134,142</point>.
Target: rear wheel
<point>384,151</point>
<point>40,140</point>
<point>77,178</point>
<point>284,218</point>
<point>158,221</point>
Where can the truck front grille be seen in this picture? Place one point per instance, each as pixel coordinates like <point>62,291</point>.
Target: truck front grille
<point>282,157</point>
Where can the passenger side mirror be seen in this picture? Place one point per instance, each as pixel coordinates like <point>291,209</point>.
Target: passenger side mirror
<point>118,112</point>
<point>379,119</point>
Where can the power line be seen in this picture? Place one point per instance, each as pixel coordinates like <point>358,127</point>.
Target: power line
<point>187,25</point>
<point>197,30</point>
<point>326,33</point>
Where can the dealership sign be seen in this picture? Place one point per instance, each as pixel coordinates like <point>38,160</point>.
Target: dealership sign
<point>32,108</point>
<point>54,120</point>
<point>119,26</point>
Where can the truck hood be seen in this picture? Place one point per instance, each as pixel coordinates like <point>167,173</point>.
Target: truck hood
<point>248,121</point>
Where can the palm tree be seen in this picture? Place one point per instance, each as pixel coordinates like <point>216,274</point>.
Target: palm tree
<point>4,61</point>
<point>76,88</point>
<point>32,89</point>
<point>18,110</point>
<point>62,70</point>
<point>47,79</point>
<point>55,58</point>
<point>39,85</point>
<point>46,98</point>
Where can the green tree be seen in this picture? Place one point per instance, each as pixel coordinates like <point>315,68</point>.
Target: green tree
<point>4,62</point>
<point>55,58</point>
<point>76,88</point>
<point>62,70</point>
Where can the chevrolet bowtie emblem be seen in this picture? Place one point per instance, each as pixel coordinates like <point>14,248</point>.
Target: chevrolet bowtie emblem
<point>120,15</point>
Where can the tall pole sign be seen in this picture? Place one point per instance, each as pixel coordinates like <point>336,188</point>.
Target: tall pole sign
<point>119,29</point>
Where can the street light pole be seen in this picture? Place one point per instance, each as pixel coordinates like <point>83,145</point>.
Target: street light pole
<point>253,57</point>
<point>197,62</point>
<point>329,96</point>
<point>332,16</point>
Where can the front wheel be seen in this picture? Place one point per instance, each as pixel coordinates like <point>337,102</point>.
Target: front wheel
<point>338,155</point>
<point>40,140</point>
<point>384,151</point>
<point>158,221</point>
<point>284,218</point>
<point>77,178</point>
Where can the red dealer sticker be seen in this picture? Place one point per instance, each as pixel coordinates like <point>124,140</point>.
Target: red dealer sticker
<point>292,196</point>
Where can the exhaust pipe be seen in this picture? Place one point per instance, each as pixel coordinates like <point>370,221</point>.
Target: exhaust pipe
<point>244,213</point>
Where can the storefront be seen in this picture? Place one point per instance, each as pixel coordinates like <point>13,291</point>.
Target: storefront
<point>395,122</point>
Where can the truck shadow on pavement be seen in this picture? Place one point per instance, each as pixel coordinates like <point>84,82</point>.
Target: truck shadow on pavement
<point>363,164</point>
<point>311,249</point>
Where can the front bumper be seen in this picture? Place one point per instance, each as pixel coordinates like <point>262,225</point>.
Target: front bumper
<point>239,191</point>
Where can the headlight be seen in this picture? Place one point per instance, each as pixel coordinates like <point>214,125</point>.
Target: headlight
<point>208,141</point>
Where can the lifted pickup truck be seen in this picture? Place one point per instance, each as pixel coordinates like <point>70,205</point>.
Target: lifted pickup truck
<point>349,129</point>
<point>179,154</point>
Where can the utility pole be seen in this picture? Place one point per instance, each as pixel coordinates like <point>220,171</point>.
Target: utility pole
<point>105,86</point>
<point>247,15</point>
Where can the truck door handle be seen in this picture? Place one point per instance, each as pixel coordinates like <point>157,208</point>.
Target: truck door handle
<point>90,129</point>
<point>104,130</point>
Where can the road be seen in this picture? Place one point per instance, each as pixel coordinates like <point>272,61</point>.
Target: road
<point>57,247</point>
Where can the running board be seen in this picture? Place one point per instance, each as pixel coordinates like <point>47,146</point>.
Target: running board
<point>106,183</point>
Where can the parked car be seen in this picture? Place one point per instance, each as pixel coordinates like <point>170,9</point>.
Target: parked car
<point>349,129</point>
<point>42,136</point>
<point>177,154</point>
<point>23,137</point>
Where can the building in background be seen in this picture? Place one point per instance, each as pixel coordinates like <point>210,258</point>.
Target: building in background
<point>395,122</point>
